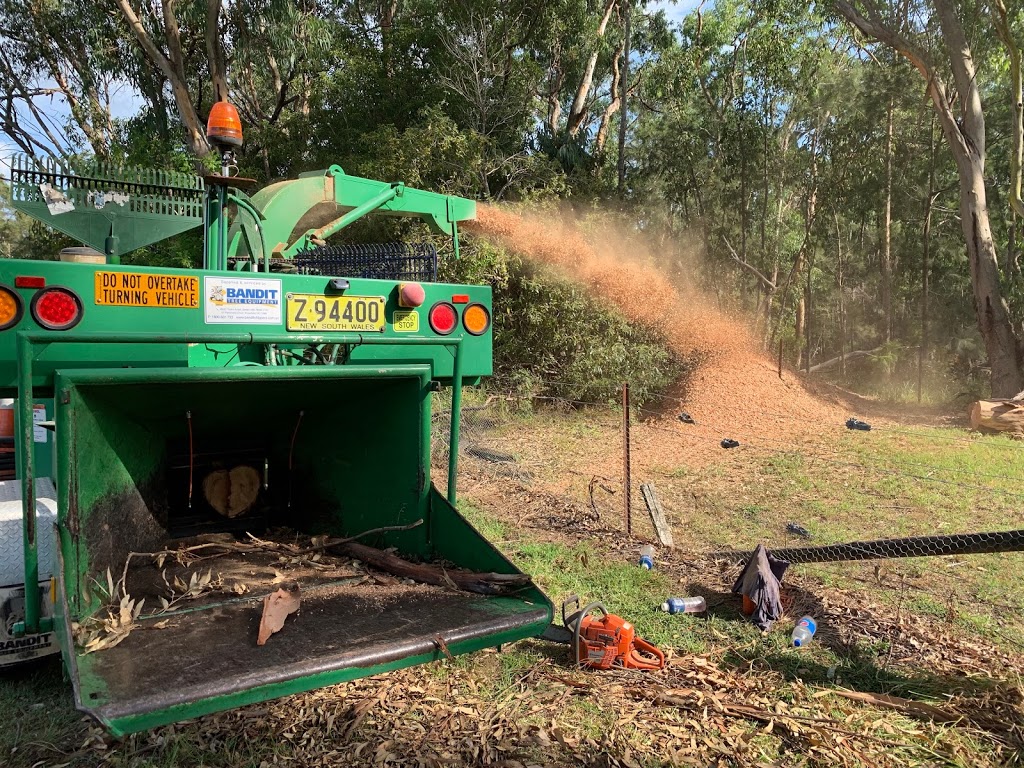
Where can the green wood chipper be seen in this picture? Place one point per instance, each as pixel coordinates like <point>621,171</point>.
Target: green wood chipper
<point>186,442</point>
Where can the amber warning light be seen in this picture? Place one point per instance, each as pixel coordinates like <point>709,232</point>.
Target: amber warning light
<point>11,308</point>
<point>476,319</point>
<point>224,126</point>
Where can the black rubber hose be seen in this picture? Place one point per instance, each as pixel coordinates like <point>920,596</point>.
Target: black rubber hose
<point>886,549</point>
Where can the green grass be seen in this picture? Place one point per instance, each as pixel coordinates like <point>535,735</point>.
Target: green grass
<point>37,713</point>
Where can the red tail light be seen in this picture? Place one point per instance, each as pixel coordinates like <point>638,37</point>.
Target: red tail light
<point>443,318</point>
<point>57,309</point>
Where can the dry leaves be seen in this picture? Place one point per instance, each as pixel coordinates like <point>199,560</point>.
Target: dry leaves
<point>96,634</point>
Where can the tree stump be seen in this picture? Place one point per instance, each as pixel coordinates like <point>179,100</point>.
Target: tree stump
<point>998,416</point>
<point>232,493</point>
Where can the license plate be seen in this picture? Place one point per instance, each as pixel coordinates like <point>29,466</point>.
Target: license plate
<point>315,312</point>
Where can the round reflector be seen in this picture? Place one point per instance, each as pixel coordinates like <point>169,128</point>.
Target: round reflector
<point>223,125</point>
<point>443,318</point>
<point>476,319</point>
<point>57,309</point>
<point>11,308</point>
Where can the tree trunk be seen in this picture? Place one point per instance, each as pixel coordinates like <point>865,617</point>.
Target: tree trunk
<point>388,10</point>
<point>556,78</point>
<point>798,328</point>
<point>215,52</point>
<point>617,88</point>
<point>578,111</point>
<point>1012,268</point>
<point>926,237</point>
<point>802,255</point>
<point>839,292</point>
<point>998,416</point>
<point>171,67</point>
<point>624,106</point>
<point>1001,341</point>
<point>807,312</point>
<point>887,232</point>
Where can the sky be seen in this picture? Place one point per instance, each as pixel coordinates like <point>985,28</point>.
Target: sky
<point>676,11</point>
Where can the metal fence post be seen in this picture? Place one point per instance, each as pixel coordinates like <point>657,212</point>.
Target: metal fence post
<point>626,478</point>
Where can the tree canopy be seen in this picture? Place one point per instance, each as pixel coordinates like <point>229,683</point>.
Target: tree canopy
<point>848,171</point>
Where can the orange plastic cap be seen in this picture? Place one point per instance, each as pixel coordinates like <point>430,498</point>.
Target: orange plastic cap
<point>224,126</point>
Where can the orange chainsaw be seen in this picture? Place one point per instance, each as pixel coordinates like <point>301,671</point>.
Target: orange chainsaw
<point>605,641</point>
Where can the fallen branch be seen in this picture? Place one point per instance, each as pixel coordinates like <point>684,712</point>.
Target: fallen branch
<point>854,355</point>
<point>745,711</point>
<point>906,706</point>
<point>481,583</point>
<point>330,543</point>
<point>595,481</point>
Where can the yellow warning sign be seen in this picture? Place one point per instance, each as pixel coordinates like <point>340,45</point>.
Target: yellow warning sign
<point>139,289</point>
<point>407,321</point>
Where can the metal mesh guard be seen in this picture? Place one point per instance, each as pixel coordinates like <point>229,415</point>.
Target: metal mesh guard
<point>380,261</point>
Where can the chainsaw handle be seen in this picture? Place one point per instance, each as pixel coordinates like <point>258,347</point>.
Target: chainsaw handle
<point>641,662</point>
<point>574,617</point>
<point>572,600</point>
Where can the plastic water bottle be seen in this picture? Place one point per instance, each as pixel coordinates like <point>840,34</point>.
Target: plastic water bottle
<point>647,557</point>
<point>804,631</point>
<point>685,605</point>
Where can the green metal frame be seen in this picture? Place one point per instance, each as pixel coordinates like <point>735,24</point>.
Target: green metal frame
<point>447,533</point>
<point>110,446</point>
<point>160,204</point>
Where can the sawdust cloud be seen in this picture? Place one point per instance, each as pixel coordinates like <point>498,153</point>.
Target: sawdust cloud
<point>731,382</point>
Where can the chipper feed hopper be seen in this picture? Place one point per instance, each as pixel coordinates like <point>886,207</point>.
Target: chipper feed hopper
<point>190,441</point>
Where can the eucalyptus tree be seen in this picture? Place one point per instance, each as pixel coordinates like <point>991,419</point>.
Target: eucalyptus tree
<point>57,52</point>
<point>255,51</point>
<point>935,37</point>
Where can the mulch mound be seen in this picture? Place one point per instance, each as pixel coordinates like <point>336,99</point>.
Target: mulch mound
<point>732,384</point>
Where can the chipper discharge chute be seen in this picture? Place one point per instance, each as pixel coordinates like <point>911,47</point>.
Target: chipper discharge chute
<point>212,435</point>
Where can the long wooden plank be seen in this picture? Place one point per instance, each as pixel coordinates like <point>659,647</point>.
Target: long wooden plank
<point>661,526</point>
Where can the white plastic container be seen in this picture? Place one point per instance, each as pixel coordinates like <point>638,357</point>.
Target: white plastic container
<point>647,557</point>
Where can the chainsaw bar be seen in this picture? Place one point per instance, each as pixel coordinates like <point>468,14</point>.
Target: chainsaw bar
<point>557,634</point>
